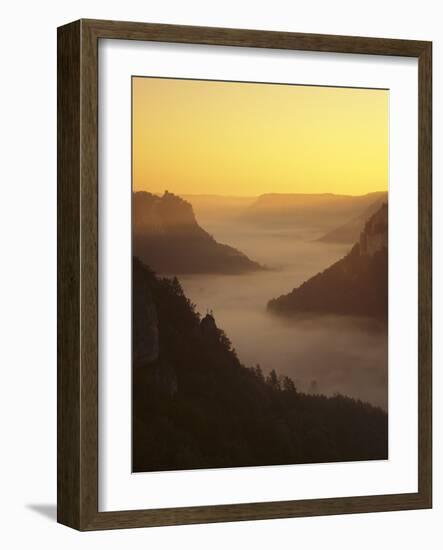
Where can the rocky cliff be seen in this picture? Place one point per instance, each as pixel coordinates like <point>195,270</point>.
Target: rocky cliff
<point>374,237</point>
<point>149,366</point>
<point>349,232</point>
<point>145,338</point>
<point>167,237</point>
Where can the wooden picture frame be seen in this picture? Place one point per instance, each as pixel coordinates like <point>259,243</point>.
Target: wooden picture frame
<point>78,274</point>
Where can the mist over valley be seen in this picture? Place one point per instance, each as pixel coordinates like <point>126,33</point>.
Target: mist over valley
<point>322,353</point>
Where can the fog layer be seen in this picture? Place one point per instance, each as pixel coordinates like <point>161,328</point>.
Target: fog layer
<point>322,354</point>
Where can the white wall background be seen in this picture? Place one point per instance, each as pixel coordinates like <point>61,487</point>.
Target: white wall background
<point>28,271</point>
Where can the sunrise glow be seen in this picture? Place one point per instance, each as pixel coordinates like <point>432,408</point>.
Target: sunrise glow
<point>245,139</point>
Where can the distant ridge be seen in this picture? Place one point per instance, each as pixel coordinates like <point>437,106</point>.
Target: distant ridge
<point>213,207</point>
<point>325,210</point>
<point>167,236</point>
<point>349,232</point>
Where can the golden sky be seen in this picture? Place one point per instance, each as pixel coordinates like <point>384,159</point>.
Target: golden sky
<point>244,139</point>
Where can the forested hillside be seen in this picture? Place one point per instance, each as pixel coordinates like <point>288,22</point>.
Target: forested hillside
<point>196,405</point>
<point>355,285</point>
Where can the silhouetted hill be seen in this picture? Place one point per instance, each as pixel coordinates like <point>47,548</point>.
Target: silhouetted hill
<point>355,285</point>
<point>323,210</point>
<point>196,406</point>
<point>167,236</point>
<point>350,231</point>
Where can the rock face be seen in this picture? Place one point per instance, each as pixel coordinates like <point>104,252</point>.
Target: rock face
<point>167,237</point>
<point>374,237</point>
<point>148,364</point>
<point>145,337</point>
<point>355,285</point>
<point>160,215</point>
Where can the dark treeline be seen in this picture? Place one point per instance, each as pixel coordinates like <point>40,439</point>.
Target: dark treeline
<point>355,285</point>
<point>196,406</point>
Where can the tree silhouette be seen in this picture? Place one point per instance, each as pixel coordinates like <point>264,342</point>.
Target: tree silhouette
<point>197,406</point>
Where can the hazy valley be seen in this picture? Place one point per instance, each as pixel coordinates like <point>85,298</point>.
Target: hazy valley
<point>322,353</point>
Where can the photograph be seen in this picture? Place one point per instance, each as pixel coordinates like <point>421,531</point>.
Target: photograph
<point>259,274</point>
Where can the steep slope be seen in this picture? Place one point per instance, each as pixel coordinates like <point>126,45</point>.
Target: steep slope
<point>349,232</point>
<point>196,406</point>
<point>167,236</point>
<point>355,285</point>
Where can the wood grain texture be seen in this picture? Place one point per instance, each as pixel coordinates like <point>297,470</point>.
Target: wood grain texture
<point>425,274</point>
<point>78,268</point>
<point>254,38</point>
<point>89,276</point>
<point>68,275</point>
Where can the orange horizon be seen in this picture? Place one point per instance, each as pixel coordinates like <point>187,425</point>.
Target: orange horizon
<point>255,196</point>
<point>196,137</point>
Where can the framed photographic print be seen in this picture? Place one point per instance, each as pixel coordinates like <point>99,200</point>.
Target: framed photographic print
<point>244,275</point>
